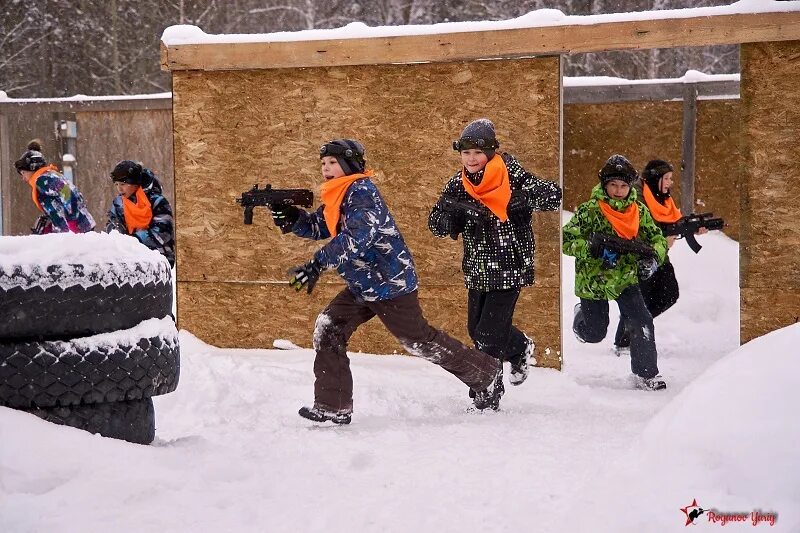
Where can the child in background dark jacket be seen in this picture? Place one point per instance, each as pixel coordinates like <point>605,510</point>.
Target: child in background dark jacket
<point>141,210</point>
<point>368,251</point>
<point>498,251</point>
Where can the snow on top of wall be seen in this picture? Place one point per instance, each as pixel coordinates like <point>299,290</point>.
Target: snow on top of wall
<point>691,76</point>
<point>83,98</point>
<point>188,34</point>
<point>67,259</point>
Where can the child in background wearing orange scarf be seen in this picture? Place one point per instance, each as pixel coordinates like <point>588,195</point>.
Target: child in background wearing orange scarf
<point>140,209</point>
<point>602,274</point>
<point>498,248</point>
<point>368,251</point>
<point>660,291</point>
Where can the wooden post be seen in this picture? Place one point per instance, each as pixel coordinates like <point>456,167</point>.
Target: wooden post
<point>5,158</point>
<point>687,155</point>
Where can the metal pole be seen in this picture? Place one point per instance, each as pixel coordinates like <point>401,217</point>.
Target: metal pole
<point>687,155</point>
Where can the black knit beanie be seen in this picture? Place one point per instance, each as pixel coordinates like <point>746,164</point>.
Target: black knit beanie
<point>478,134</point>
<point>348,152</point>
<point>617,167</point>
<point>127,171</point>
<point>32,160</point>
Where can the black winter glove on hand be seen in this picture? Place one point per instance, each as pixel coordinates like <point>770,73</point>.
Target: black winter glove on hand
<point>450,223</point>
<point>518,210</point>
<point>598,251</point>
<point>285,216</point>
<point>305,275</point>
<point>647,267</point>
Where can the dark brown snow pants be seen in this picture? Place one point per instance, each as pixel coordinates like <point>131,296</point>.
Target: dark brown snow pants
<point>402,316</point>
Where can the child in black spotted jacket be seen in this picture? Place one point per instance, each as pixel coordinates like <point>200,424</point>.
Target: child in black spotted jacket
<point>498,243</point>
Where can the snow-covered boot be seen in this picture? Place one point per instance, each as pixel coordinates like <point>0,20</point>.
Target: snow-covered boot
<point>575,313</point>
<point>489,398</point>
<point>622,351</point>
<point>521,365</point>
<point>654,383</point>
<point>318,414</point>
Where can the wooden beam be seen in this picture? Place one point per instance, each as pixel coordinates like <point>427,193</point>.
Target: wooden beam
<point>489,44</point>
<point>72,106</point>
<point>688,151</point>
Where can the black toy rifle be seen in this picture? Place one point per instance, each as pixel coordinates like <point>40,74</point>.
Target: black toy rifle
<point>478,213</point>
<point>687,226</point>
<point>598,241</point>
<point>272,197</point>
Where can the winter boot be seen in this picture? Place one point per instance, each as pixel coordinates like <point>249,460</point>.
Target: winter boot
<point>622,351</point>
<point>654,383</point>
<point>576,312</point>
<point>489,398</point>
<point>318,414</point>
<point>521,364</point>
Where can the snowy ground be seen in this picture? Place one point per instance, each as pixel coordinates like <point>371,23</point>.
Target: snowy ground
<point>577,450</point>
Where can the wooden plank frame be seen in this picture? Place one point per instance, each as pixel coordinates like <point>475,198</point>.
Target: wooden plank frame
<point>487,44</point>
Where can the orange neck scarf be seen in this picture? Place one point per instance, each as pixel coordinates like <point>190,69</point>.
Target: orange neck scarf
<point>332,192</point>
<point>494,190</point>
<point>32,183</point>
<point>625,223</point>
<point>666,213</point>
<point>139,214</point>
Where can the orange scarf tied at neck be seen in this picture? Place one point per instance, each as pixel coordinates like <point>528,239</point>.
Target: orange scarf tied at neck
<point>494,190</point>
<point>139,214</point>
<point>666,213</point>
<point>625,223</point>
<point>32,183</point>
<point>332,192</point>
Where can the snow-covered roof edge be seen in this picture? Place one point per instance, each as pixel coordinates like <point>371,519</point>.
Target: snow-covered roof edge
<point>691,76</point>
<point>84,98</point>
<point>188,34</point>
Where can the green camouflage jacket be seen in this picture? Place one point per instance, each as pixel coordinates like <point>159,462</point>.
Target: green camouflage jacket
<point>592,281</point>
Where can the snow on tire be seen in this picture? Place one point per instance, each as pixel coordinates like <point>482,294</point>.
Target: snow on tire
<point>131,420</point>
<point>124,365</point>
<point>61,286</point>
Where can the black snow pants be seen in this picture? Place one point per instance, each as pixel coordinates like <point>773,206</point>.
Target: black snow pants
<point>402,316</point>
<point>490,324</point>
<point>591,325</point>
<point>660,292</point>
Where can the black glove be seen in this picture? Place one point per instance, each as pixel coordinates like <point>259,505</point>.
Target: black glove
<point>647,267</point>
<point>451,223</point>
<point>285,216</point>
<point>39,227</point>
<point>518,210</point>
<point>305,275</point>
<point>598,251</point>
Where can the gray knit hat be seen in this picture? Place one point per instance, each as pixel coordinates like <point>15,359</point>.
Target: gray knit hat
<point>478,134</point>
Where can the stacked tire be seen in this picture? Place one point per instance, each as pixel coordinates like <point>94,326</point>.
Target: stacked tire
<point>88,344</point>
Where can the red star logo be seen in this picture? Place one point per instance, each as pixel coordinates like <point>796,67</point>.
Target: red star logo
<point>690,516</point>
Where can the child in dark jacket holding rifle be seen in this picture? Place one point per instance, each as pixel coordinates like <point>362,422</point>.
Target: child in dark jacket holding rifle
<point>368,251</point>
<point>603,272</point>
<point>490,202</point>
<point>660,292</point>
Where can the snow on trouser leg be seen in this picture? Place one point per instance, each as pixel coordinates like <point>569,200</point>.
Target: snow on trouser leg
<point>644,356</point>
<point>124,365</point>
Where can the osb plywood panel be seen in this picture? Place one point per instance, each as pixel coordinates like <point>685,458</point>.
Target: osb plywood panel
<point>252,315</point>
<point>765,310</point>
<point>237,128</point>
<point>105,138</point>
<point>640,131</point>
<point>718,161</point>
<point>770,234</point>
<point>653,130</point>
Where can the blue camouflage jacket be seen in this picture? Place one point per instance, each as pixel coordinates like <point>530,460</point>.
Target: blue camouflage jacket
<point>160,235</point>
<point>368,251</point>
